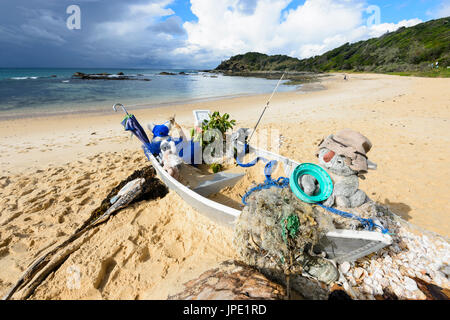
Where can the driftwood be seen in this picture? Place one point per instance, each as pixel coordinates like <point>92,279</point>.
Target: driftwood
<point>38,271</point>
<point>47,263</point>
<point>231,280</point>
<point>42,267</point>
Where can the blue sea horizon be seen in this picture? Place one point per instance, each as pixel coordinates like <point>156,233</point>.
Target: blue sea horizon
<point>31,92</point>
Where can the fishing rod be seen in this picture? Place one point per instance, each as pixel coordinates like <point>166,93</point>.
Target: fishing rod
<point>266,106</point>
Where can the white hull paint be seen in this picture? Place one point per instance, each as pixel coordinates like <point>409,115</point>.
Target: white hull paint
<point>340,245</point>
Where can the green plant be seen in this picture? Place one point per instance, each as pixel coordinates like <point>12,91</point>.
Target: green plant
<point>215,122</point>
<point>215,167</point>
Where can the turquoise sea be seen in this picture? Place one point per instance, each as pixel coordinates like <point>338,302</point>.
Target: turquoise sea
<point>43,92</point>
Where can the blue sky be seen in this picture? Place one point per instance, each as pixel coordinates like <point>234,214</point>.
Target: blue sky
<point>193,33</point>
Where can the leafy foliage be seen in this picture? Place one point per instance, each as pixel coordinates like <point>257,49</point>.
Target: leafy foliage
<point>215,122</point>
<point>412,49</point>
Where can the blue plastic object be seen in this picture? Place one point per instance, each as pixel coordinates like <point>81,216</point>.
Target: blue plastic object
<point>323,178</point>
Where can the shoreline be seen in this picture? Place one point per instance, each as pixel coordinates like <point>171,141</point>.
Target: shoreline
<point>93,109</point>
<point>303,88</point>
<point>132,107</point>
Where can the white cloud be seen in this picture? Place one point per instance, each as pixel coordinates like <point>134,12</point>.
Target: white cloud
<point>136,20</point>
<point>224,29</point>
<point>42,25</point>
<point>140,36</point>
<point>382,28</point>
<point>153,9</point>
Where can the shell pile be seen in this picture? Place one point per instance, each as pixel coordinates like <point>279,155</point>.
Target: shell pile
<point>391,272</point>
<point>414,253</point>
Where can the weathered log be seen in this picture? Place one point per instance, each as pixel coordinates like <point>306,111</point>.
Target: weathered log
<point>232,280</point>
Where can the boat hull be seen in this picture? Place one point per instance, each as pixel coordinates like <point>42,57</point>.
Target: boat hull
<point>340,245</point>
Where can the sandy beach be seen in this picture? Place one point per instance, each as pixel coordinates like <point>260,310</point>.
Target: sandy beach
<point>56,170</point>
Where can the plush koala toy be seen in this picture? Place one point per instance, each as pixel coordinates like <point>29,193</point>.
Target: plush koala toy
<point>343,156</point>
<point>170,158</point>
<point>161,134</point>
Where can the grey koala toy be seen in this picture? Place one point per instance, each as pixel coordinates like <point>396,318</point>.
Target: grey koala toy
<point>346,192</point>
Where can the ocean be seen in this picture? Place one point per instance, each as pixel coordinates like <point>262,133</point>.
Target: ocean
<point>44,92</point>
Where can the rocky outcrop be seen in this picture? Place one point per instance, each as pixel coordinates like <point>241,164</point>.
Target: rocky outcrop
<point>105,76</point>
<point>164,73</point>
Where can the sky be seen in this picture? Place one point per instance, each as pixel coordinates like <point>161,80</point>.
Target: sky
<point>192,33</point>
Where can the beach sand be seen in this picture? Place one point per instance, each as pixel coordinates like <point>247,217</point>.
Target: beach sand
<point>56,170</point>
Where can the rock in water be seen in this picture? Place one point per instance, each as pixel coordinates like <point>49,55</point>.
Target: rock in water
<point>231,281</point>
<point>277,231</point>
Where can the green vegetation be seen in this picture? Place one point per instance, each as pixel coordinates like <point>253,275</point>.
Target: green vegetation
<point>407,51</point>
<point>215,122</point>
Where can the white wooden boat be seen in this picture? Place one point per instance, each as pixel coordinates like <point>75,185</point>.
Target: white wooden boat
<point>340,245</point>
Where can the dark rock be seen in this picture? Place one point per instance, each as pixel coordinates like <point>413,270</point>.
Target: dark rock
<point>338,294</point>
<point>167,73</point>
<point>78,75</point>
<point>103,76</point>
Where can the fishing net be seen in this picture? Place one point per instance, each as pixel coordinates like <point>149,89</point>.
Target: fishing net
<point>278,231</point>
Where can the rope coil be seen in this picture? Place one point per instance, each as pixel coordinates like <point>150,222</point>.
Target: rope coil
<point>283,182</point>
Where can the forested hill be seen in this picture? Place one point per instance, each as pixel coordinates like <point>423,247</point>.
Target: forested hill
<point>411,49</point>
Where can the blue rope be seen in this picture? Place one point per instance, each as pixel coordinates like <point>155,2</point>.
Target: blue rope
<point>283,182</point>
<point>366,223</point>
<point>251,163</point>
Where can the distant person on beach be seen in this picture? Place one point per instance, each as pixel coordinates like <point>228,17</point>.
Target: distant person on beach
<point>345,77</point>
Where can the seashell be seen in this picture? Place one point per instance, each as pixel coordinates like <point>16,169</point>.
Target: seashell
<point>374,264</point>
<point>420,295</point>
<point>399,292</point>
<point>358,293</point>
<point>403,270</point>
<point>367,289</point>
<point>358,273</point>
<point>388,259</point>
<point>410,284</point>
<point>344,267</point>
<point>397,273</point>
<point>409,294</point>
<point>371,297</point>
<point>346,286</point>
<point>378,290</point>
<point>378,275</point>
<point>368,281</point>
<point>384,282</point>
